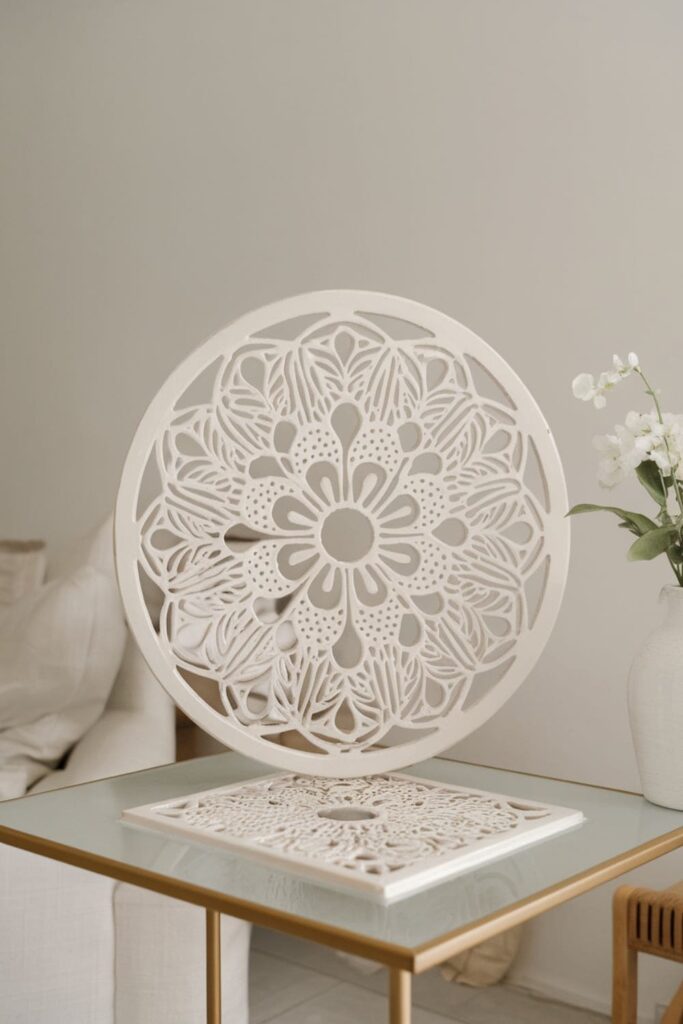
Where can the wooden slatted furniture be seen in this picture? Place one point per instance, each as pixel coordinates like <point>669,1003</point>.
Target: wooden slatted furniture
<point>645,921</point>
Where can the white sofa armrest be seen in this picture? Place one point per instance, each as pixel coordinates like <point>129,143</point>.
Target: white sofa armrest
<point>136,687</point>
<point>136,731</point>
<point>120,742</point>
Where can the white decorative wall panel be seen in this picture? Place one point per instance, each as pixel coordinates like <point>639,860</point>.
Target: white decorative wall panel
<point>387,835</point>
<point>350,511</point>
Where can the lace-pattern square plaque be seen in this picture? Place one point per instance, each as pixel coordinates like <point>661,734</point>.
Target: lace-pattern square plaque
<point>385,835</point>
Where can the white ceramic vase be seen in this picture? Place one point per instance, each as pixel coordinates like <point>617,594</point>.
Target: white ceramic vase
<point>655,702</point>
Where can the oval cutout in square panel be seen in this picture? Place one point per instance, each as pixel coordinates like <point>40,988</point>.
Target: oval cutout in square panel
<point>342,533</point>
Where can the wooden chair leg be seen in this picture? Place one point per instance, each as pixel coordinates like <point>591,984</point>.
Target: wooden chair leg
<point>625,963</point>
<point>674,1014</point>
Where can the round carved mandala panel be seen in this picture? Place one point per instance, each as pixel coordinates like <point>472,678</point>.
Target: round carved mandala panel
<point>340,535</point>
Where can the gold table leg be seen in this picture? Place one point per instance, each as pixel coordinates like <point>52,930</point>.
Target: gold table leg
<point>399,996</point>
<point>213,967</point>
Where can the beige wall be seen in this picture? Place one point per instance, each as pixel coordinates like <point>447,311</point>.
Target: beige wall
<point>167,165</point>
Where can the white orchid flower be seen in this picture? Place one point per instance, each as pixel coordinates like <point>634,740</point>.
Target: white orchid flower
<point>661,439</point>
<point>662,460</point>
<point>587,389</point>
<point>649,445</point>
<point>583,387</point>
<point>621,453</point>
<point>642,437</point>
<point>624,368</point>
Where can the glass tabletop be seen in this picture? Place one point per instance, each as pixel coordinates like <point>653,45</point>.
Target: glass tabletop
<point>85,819</point>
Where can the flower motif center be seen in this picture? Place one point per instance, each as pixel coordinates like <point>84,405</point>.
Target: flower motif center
<point>347,535</point>
<point>347,813</point>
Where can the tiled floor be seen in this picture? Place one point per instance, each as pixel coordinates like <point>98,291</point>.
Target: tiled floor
<point>297,982</point>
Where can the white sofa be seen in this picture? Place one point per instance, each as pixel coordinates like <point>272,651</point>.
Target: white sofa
<point>78,948</point>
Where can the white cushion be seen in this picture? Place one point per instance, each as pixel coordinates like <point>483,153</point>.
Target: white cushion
<point>22,568</point>
<point>60,649</point>
<point>95,548</point>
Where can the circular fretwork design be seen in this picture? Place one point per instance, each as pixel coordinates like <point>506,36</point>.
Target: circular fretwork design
<point>348,511</point>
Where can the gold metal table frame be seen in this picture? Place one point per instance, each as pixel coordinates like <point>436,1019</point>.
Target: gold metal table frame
<point>402,961</point>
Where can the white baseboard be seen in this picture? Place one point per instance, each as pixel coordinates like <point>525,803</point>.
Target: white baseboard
<point>573,997</point>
